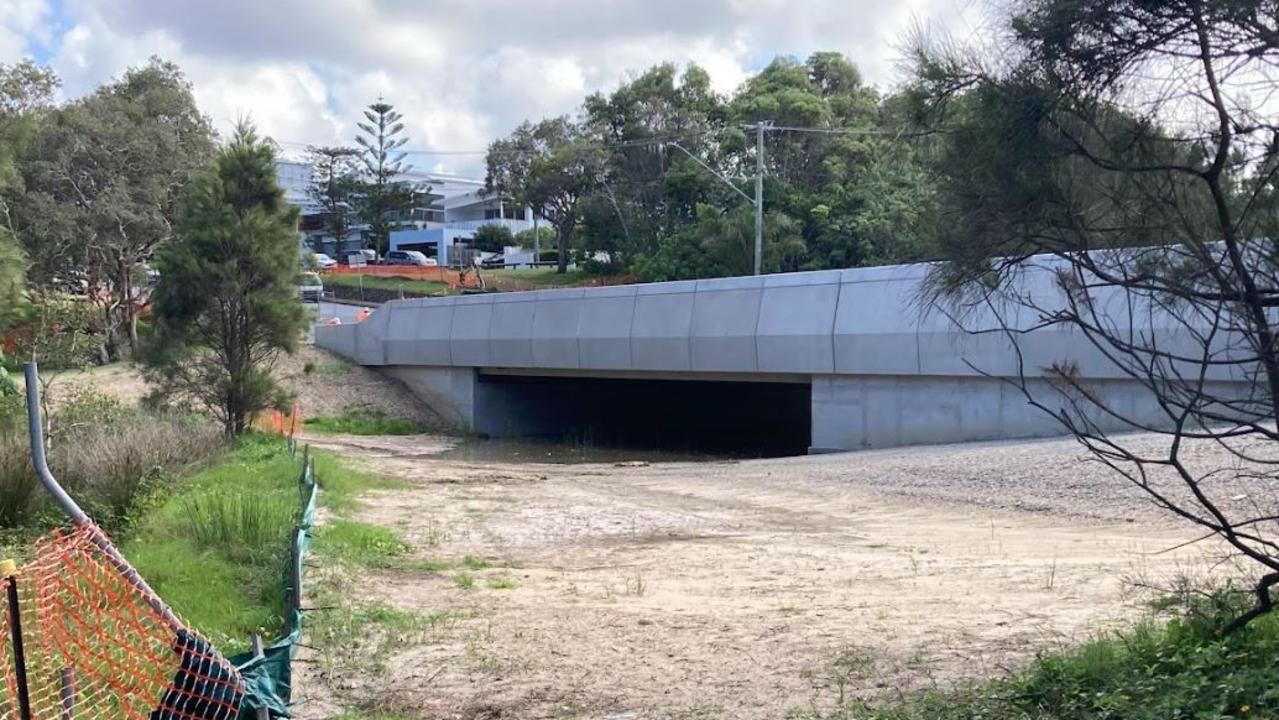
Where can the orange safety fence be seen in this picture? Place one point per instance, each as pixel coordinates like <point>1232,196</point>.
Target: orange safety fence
<point>430,273</point>
<point>277,422</point>
<point>95,646</point>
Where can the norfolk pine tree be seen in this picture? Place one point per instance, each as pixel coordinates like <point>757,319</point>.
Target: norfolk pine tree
<point>226,304</point>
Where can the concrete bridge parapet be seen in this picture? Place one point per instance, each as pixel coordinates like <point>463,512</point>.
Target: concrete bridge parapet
<point>882,368</point>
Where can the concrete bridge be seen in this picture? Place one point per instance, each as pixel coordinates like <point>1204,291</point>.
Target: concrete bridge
<point>832,360</point>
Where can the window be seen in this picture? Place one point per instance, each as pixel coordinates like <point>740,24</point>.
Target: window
<point>492,214</point>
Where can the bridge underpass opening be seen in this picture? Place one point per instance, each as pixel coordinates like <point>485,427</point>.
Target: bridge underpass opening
<point>749,419</point>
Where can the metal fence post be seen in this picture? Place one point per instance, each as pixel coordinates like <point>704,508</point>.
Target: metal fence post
<point>67,693</point>
<point>19,653</point>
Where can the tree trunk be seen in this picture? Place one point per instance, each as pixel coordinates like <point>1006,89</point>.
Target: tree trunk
<point>130,314</point>
<point>561,252</point>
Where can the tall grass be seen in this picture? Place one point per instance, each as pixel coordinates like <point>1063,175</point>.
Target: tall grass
<point>241,524</point>
<point>111,468</point>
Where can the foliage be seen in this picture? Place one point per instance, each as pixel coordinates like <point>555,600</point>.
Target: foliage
<point>61,335</point>
<point>100,179</point>
<point>722,243</point>
<point>13,295</point>
<point>1078,155</point>
<point>550,166</point>
<point>846,193</point>
<point>493,238</point>
<point>381,197</point>
<point>226,305</point>
<point>363,421</point>
<point>544,238</point>
<point>335,184</point>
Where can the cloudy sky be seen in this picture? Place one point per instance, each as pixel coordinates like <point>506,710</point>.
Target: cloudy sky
<point>461,71</point>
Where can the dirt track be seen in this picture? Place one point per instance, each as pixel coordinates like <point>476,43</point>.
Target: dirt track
<point>741,590</point>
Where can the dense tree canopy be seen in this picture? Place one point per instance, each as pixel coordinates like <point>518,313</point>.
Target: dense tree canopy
<point>841,188</point>
<point>99,180</point>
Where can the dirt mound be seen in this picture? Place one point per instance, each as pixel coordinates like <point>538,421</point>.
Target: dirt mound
<point>328,384</point>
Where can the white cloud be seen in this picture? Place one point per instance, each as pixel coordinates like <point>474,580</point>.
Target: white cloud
<point>20,22</point>
<point>461,71</point>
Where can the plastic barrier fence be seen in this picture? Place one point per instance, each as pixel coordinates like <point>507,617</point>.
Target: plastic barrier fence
<point>81,640</point>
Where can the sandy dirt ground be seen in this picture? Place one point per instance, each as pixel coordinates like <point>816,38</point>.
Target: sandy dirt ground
<point>739,589</point>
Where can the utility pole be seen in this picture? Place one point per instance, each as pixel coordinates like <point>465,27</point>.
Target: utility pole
<point>759,195</point>
<point>758,200</point>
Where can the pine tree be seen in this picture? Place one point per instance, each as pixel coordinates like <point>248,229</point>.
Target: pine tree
<point>226,303</point>
<point>334,182</point>
<point>383,162</point>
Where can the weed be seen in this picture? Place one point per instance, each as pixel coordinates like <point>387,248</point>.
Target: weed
<point>360,544</point>
<point>502,583</point>
<point>435,535</point>
<point>636,585</point>
<point>1182,667</point>
<point>1051,581</point>
<point>464,580</point>
<point>474,563</point>
<point>850,663</point>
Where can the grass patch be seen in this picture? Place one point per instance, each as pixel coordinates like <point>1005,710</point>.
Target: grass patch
<point>363,421</point>
<point>541,277</point>
<point>357,544</point>
<point>1177,668</point>
<point>340,484</point>
<point>473,563</point>
<point>502,583</point>
<point>362,638</point>
<point>379,282</point>
<point>464,580</point>
<point>216,550</point>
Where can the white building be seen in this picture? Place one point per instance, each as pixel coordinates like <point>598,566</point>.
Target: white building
<point>451,209</point>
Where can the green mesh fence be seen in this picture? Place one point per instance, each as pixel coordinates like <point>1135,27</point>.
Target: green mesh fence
<point>268,675</point>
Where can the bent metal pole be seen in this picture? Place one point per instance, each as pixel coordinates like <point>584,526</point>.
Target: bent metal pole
<point>72,509</point>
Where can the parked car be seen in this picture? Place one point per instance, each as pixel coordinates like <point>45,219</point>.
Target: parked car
<point>408,257</point>
<point>369,256</point>
<point>494,261</point>
<point>323,261</point>
<point>310,287</point>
